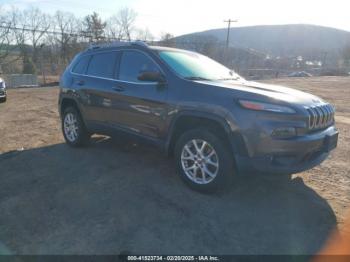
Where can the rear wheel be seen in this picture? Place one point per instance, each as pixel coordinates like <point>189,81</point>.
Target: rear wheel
<point>203,160</point>
<point>3,99</point>
<point>73,128</point>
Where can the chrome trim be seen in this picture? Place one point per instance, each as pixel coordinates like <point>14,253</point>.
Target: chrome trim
<point>327,114</point>
<point>116,80</point>
<point>314,117</point>
<point>320,116</point>
<point>325,122</point>
<point>320,120</point>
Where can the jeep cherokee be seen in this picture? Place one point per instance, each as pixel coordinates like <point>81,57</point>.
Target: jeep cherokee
<point>2,91</point>
<point>211,120</point>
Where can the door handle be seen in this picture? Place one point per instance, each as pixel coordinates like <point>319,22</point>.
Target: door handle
<point>118,88</point>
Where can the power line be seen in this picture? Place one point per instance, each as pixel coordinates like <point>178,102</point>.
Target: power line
<point>88,35</point>
<point>84,34</point>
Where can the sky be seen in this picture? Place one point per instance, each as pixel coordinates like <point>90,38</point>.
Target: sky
<point>186,16</point>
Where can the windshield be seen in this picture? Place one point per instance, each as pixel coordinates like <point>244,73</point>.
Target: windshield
<point>194,66</point>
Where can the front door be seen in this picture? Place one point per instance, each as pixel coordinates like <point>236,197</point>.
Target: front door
<point>142,106</point>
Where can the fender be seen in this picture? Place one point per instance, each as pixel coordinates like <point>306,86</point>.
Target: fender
<point>72,96</point>
<point>237,144</point>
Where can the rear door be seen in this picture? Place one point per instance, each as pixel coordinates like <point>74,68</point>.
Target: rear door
<point>98,87</point>
<point>142,106</point>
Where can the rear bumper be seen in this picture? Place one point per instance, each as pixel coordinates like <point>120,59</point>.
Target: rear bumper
<point>289,156</point>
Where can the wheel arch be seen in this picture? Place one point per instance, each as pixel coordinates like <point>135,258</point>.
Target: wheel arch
<point>189,120</point>
<point>69,101</point>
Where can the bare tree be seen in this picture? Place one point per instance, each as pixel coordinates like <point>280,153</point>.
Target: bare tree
<point>38,23</point>
<point>144,35</point>
<point>20,33</point>
<point>66,25</point>
<point>114,29</point>
<point>126,18</point>
<point>168,40</point>
<point>94,27</point>
<point>7,37</point>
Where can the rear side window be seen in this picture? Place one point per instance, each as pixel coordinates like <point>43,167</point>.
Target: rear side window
<point>133,63</point>
<point>80,67</point>
<point>102,65</point>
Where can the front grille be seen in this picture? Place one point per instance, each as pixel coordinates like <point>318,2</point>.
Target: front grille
<point>320,116</point>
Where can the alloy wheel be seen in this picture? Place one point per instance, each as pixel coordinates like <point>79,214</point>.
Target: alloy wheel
<point>199,161</point>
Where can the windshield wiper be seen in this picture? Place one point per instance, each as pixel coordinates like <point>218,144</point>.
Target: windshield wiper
<point>197,78</point>
<point>229,78</point>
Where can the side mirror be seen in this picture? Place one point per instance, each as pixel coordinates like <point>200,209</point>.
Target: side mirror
<point>151,76</point>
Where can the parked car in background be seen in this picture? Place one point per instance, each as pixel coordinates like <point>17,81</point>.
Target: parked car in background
<point>3,93</point>
<point>214,122</point>
<point>300,74</point>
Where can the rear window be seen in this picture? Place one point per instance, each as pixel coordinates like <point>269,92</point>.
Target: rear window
<point>102,65</point>
<point>80,67</point>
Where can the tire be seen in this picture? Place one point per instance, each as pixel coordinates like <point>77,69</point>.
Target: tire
<point>3,99</point>
<point>74,121</point>
<point>219,165</point>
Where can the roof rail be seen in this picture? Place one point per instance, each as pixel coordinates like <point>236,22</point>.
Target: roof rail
<point>139,43</point>
<point>116,44</point>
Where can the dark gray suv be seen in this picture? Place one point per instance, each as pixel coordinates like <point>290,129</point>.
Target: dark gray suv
<point>2,91</point>
<point>215,123</point>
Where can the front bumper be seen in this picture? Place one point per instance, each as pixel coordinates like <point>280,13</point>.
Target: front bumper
<point>2,92</point>
<point>290,156</point>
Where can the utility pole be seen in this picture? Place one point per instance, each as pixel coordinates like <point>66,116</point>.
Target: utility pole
<point>41,63</point>
<point>228,30</point>
<point>225,54</point>
<point>325,54</point>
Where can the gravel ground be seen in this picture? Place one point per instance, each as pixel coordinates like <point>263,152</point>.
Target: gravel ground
<point>117,196</point>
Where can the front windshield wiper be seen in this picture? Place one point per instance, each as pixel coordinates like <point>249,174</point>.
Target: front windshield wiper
<point>197,78</point>
<point>229,78</point>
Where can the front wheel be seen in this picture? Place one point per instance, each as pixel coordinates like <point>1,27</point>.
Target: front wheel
<point>203,160</point>
<point>73,128</point>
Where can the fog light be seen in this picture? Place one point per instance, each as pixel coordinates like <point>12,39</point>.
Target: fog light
<point>284,132</point>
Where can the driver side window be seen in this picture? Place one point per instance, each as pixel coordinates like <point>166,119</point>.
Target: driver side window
<point>133,63</point>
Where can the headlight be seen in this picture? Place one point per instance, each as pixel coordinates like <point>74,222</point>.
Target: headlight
<point>259,106</point>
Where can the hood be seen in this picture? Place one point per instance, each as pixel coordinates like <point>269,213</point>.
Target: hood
<point>276,92</point>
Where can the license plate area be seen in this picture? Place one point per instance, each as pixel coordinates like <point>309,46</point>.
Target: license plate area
<point>331,142</point>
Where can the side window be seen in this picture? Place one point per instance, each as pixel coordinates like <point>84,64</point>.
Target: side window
<point>102,65</point>
<point>133,63</point>
<point>80,67</point>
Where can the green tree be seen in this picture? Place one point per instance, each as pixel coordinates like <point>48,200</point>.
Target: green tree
<point>94,28</point>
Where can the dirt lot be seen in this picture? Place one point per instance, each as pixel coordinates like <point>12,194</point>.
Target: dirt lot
<point>117,197</point>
